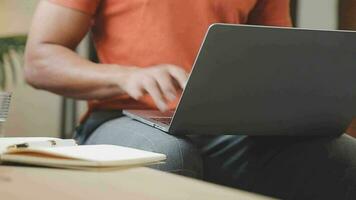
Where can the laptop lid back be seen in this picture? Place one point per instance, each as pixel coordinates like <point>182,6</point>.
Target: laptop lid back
<point>257,80</point>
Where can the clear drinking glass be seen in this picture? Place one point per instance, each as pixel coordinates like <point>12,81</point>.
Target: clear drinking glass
<point>5,98</point>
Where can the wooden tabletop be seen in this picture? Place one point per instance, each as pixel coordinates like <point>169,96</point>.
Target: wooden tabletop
<point>31,183</point>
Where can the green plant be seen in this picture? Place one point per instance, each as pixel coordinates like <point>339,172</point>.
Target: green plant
<point>11,60</point>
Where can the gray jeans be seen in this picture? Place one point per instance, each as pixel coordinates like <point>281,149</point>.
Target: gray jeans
<point>282,167</point>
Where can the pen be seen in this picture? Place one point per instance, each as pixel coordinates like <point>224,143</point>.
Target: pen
<point>46,143</point>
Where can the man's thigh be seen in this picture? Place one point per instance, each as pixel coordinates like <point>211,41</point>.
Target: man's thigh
<point>284,167</point>
<point>182,156</point>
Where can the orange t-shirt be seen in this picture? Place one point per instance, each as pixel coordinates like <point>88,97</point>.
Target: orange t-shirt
<point>150,32</point>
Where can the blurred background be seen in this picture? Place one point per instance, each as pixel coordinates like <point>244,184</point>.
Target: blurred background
<point>39,113</point>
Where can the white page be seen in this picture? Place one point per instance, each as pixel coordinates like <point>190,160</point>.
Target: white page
<point>100,153</point>
<point>86,155</point>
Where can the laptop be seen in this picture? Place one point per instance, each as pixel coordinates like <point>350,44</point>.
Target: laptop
<point>256,80</point>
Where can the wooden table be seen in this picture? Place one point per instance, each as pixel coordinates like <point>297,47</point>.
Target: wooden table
<point>30,183</point>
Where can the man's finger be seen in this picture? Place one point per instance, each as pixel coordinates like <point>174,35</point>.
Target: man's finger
<point>135,92</point>
<point>166,85</point>
<point>180,75</point>
<point>151,86</point>
<point>134,89</point>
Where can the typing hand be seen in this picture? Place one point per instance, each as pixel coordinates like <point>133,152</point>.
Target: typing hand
<point>161,82</point>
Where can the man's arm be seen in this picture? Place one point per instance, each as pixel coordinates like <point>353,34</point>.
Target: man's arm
<point>51,62</point>
<point>53,65</point>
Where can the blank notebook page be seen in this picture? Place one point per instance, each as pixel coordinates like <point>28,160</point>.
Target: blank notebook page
<point>98,153</point>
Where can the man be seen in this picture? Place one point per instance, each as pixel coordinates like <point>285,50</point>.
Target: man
<point>146,49</point>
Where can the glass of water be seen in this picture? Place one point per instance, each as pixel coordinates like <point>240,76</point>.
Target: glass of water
<point>5,98</point>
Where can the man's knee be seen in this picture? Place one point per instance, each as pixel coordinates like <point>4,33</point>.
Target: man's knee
<point>338,150</point>
<point>333,166</point>
<point>182,156</point>
<point>319,167</point>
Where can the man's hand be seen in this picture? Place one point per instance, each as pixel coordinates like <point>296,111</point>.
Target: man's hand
<point>161,82</point>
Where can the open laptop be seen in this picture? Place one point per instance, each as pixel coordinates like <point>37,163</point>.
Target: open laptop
<point>256,80</point>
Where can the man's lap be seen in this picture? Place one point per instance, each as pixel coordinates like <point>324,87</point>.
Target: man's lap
<point>285,167</point>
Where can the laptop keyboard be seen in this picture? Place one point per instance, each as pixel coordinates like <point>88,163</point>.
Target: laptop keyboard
<point>163,120</point>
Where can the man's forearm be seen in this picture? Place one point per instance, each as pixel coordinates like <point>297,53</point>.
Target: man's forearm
<point>60,70</point>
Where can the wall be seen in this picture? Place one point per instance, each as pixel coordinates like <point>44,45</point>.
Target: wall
<point>317,14</point>
<point>33,112</point>
<point>15,16</point>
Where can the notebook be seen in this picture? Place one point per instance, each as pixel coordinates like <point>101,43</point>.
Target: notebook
<point>59,153</point>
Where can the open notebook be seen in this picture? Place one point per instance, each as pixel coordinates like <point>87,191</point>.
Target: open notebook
<point>54,152</point>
